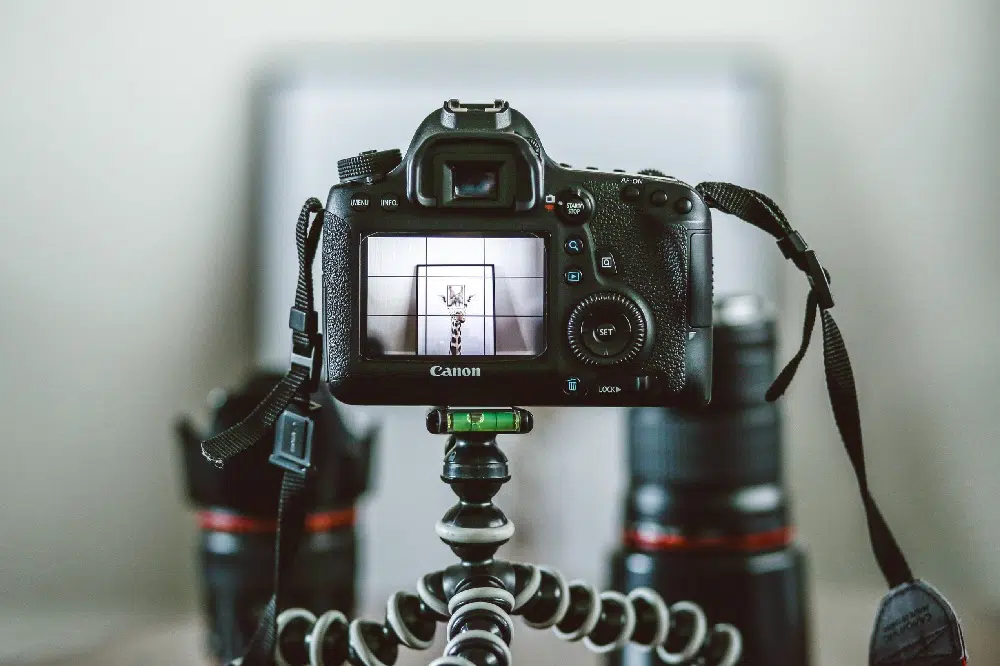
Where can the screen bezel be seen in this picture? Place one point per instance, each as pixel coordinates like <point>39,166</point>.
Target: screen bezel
<point>362,329</point>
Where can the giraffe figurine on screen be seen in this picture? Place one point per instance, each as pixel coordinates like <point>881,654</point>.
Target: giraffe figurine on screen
<point>456,301</point>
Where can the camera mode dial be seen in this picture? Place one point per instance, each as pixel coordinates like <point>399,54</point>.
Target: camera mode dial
<point>370,166</point>
<point>606,329</point>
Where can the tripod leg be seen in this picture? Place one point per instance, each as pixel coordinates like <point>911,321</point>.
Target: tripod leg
<point>475,597</point>
<point>478,596</point>
<point>610,620</point>
<point>480,591</point>
<point>331,640</point>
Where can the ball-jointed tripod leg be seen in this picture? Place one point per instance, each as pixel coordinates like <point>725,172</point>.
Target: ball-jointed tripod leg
<point>481,591</point>
<point>478,596</point>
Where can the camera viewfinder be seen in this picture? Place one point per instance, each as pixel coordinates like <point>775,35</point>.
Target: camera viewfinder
<point>475,180</point>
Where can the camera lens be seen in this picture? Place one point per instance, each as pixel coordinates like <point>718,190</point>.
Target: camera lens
<point>237,520</point>
<point>475,180</point>
<point>707,515</point>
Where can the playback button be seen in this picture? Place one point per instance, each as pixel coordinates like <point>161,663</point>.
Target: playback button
<point>573,275</point>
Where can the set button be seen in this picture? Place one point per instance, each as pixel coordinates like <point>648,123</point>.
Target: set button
<point>606,333</point>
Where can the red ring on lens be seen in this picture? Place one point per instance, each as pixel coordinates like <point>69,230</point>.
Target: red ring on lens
<point>234,523</point>
<point>771,540</point>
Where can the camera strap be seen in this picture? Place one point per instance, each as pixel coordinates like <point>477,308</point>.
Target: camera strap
<point>287,409</point>
<point>915,624</point>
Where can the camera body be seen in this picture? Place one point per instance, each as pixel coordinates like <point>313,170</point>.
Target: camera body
<point>476,271</point>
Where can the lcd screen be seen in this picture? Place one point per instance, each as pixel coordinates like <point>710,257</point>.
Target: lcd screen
<point>454,295</point>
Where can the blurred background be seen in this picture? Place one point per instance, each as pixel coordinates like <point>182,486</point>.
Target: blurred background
<point>130,180</point>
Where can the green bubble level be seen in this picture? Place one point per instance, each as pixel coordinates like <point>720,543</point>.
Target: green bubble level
<point>495,420</point>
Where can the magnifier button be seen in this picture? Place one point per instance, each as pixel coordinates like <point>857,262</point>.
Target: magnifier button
<point>574,245</point>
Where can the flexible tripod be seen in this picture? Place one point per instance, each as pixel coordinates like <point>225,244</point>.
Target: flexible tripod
<point>477,596</point>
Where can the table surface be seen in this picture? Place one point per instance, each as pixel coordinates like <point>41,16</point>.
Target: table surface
<point>841,625</point>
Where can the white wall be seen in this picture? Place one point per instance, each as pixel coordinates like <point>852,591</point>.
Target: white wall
<point>124,138</point>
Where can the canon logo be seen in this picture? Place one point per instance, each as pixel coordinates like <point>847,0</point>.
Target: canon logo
<point>442,371</point>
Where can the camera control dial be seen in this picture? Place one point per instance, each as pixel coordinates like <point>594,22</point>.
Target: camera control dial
<point>370,166</point>
<point>606,329</point>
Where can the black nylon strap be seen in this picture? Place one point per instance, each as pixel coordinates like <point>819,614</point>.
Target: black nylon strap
<point>763,213</point>
<point>759,210</point>
<point>252,429</point>
<point>296,386</point>
<point>291,525</point>
<point>301,380</point>
<point>304,328</point>
<point>844,398</point>
<point>784,378</point>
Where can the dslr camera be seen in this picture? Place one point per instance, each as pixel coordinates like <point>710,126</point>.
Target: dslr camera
<point>475,270</point>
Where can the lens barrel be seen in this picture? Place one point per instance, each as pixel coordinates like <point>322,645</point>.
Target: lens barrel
<point>236,558</point>
<point>706,515</point>
<point>237,519</point>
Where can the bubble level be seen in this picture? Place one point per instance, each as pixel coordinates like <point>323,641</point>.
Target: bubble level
<point>447,421</point>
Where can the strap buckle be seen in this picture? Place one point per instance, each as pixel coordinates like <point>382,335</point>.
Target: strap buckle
<point>794,247</point>
<point>306,323</point>
<point>302,321</point>
<point>293,438</point>
<point>312,363</point>
<point>819,281</point>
